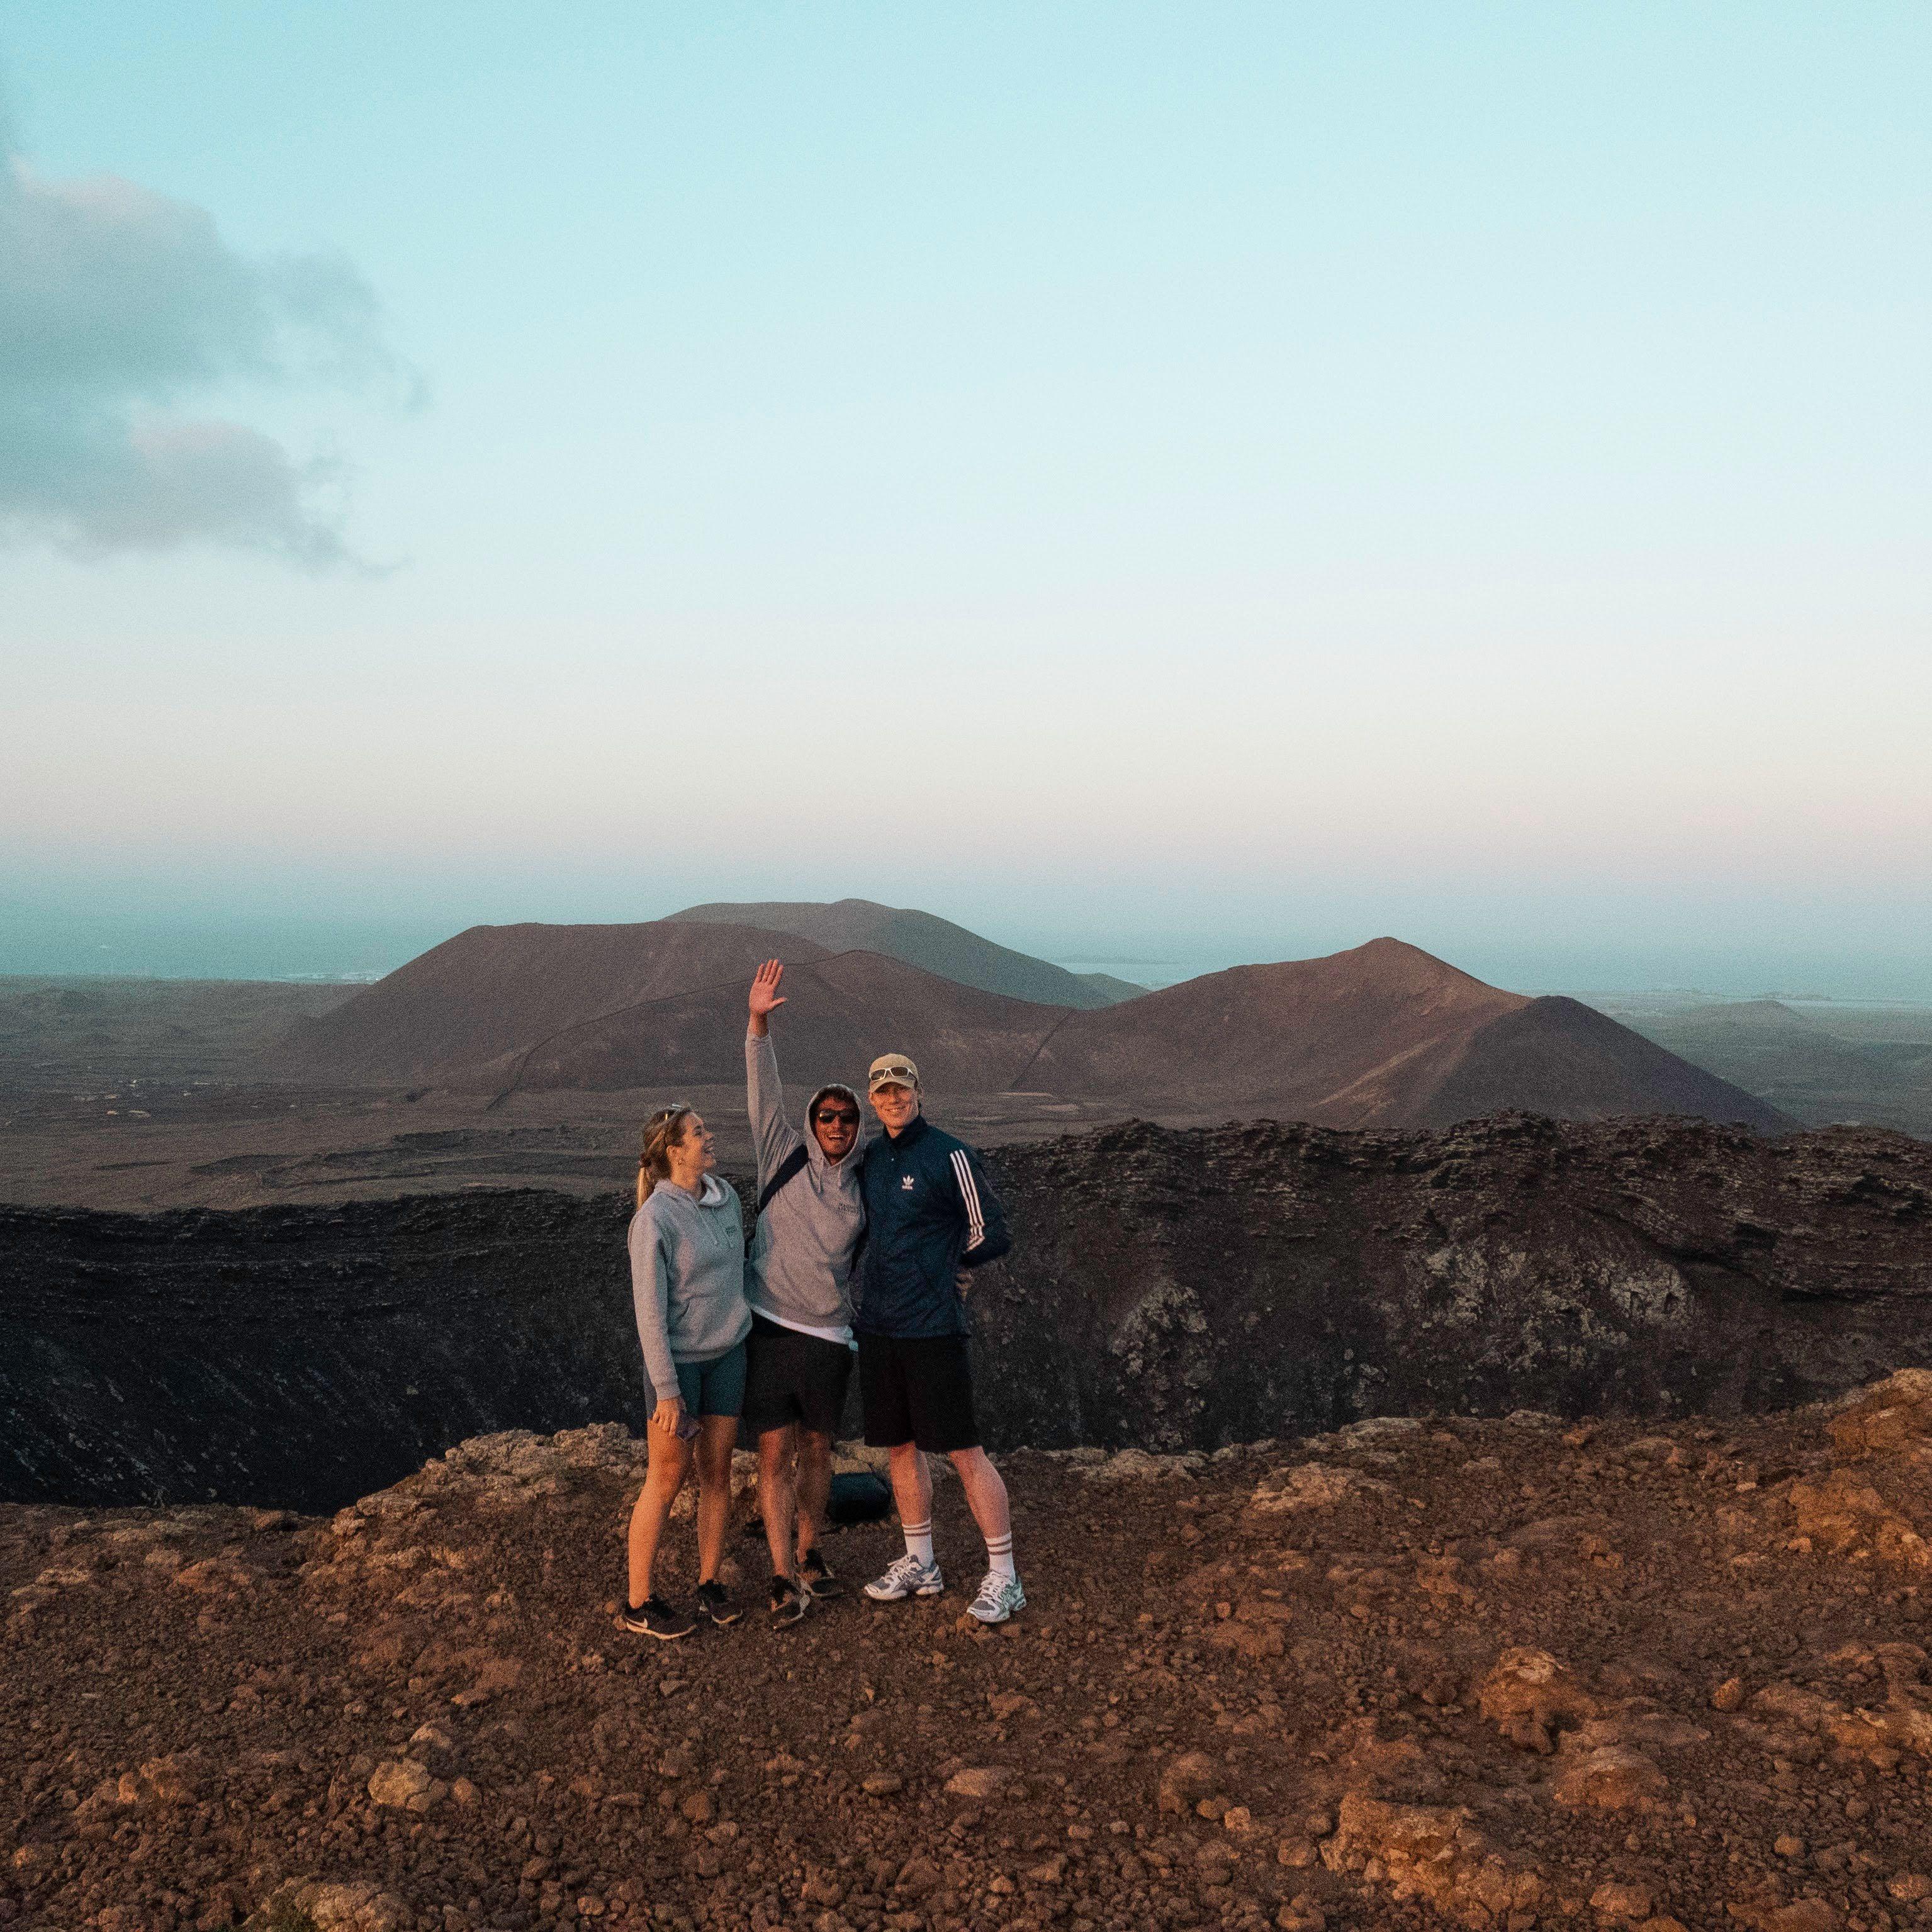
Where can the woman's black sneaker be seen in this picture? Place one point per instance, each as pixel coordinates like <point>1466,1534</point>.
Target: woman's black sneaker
<point>789,1603</point>
<point>818,1577</point>
<point>655,1618</point>
<point>714,1602</point>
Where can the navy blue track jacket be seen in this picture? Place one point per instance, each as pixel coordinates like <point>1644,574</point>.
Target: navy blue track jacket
<point>929,1212</point>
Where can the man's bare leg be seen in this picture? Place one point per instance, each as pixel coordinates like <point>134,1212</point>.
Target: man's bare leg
<point>985,1494</point>
<point>814,1487</point>
<point>912,1486</point>
<point>718,1435</point>
<point>1000,1595</point>
<point>780,1498</point>
<point>915,1573</point>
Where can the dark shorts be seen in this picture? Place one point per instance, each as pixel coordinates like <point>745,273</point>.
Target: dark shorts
<point>917,1391</point>
<point>715,1388</point>
<point>794,1378</point>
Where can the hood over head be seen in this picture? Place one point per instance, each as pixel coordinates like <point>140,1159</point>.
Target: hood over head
<point>836,1090</point>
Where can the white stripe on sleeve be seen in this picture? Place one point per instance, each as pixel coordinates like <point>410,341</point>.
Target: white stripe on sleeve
<point>976,1221</point>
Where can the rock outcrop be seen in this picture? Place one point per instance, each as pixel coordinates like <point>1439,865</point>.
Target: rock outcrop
<point>1169,1292</point>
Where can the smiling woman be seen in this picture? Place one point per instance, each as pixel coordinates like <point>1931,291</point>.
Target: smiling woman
<point>687,1251</point>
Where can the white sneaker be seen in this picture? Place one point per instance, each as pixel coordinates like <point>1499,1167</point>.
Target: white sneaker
<point>999,1597</point>
<point>907,1577</point>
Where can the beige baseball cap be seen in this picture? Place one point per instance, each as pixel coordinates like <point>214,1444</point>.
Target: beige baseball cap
<point>891,1070</point>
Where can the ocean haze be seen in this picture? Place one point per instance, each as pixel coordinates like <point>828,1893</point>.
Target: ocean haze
<point>36,939</point>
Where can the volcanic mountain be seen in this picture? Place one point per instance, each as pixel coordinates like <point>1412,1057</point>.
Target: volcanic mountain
<point>1384,1035</point>
<point>467,1012</point>
<point>611,1006</point>
<point>922,939</point>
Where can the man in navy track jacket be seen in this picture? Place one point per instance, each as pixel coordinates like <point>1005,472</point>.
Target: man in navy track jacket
<point>931,1216</point>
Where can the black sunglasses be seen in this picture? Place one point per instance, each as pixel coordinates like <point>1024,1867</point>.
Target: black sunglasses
<point>826,1115</point>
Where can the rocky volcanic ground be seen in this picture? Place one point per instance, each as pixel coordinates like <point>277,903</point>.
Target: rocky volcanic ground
<point>1506,1673</point>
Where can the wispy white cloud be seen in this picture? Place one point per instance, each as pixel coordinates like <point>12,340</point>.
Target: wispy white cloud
<point>119,306</point>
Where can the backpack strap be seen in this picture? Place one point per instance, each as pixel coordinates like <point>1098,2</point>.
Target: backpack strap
<point>790,1169</point>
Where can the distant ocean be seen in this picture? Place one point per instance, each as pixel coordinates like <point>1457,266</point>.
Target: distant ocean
<point>145,947</point>
<point>351,952</point>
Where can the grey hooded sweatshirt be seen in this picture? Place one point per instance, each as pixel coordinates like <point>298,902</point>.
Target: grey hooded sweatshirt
<point>688,1277</point>
<point>800,1272</point>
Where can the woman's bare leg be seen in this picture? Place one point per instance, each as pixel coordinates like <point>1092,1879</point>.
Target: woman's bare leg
<point>669,1464</point>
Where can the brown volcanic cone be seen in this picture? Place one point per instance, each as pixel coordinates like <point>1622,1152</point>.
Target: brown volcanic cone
<point>840,1013</point>
<point>1293,1035</point>
<point>1384,1035</point>
<point>920,939</point>
<point>604,1007</point>
<point>1558,1057</point>
<point>464,1012</point>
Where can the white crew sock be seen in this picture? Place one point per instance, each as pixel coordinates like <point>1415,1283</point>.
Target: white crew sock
<point>1000,1557</point>
<point>919,1539</point>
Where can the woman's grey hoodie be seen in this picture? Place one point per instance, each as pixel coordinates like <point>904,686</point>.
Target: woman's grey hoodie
<point>688,1277</point>
<point>799,1274</point>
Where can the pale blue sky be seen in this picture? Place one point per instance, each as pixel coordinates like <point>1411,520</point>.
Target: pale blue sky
<point>1142,480</point>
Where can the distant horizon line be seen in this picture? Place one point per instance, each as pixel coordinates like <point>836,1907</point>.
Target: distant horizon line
<point>1586,995</point>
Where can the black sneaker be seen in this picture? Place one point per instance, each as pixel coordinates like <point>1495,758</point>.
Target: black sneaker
<point>655,1618</point>
<point>714,1602</point>
<point>817,1575</point>
<point>789,1603</point>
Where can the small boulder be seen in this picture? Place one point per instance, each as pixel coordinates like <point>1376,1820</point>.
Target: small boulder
<point>356,1907</point>
<point>174,1779</point>
<point>1310,1486</point>
<point>1622,1904</point>
<point>1889,1416</point>
<point>1529,1697</point>
<point>1610,1778</point>
<point>1187,1780</point>
<point>405,1784</point>
<point>980,1781</point>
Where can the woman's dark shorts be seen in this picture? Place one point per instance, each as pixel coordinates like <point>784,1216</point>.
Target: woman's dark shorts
<point>917,1391</point>
<point>715,1388</point>
<point>794,1378</point>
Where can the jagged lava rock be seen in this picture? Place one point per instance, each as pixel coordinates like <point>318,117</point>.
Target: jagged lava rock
<point>1169,1291</point>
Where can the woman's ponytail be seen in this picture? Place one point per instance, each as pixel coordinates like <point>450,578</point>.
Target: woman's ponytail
<point>662,1131</point>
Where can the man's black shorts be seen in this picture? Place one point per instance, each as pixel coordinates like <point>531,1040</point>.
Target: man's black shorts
<point>793,1378</point>
<point>917,1391</point>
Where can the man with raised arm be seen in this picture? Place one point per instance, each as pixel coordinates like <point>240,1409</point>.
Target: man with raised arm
<point>798,1279</point>
<point>931,1217</point>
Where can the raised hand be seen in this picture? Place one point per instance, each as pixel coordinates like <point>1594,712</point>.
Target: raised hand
<point>765,995</point>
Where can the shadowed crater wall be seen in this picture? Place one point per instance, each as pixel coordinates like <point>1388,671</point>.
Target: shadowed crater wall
<point>1168,1289</point>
